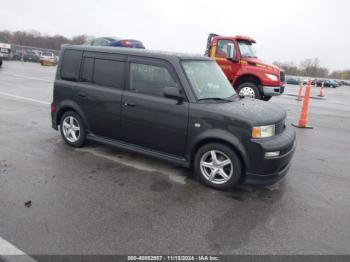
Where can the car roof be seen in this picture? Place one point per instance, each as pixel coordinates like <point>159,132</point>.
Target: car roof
<point>138,52</point>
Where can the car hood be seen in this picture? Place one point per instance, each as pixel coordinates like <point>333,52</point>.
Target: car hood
<point>252,111</point>
<point>257,61</point>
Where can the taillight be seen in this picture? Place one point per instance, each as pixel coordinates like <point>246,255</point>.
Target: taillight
<point>53,108</point>
<point>125,42</point>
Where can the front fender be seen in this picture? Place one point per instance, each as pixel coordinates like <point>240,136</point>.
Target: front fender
<point>217,135</point>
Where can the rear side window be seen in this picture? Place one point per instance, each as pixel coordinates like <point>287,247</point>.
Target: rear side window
<point>71,65</point>
<point>108,73</point>
<point>150,79</point>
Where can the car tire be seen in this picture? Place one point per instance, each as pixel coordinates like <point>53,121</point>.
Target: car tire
<point>213,159</point>
<point>266,98</point>
<point>73,129</point>
<point>248,90</point>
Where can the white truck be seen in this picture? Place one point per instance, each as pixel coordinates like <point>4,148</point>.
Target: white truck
<point>5,51</point>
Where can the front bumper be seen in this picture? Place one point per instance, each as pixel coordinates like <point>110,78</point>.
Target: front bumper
<point>273,90</point>
<point>266,171</point>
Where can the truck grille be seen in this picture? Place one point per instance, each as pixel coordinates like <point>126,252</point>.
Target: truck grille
<point>280,127</point>
<point>282,76</point>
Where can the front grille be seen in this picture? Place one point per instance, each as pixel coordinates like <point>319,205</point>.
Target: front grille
<point>280,127</point>
<point>282,76</point>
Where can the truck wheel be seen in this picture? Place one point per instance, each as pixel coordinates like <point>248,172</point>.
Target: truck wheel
<point>0,63</point>
<point>72,129</point>
<point>217,166</point>
<point>266,98</point>
<point>248,90</point>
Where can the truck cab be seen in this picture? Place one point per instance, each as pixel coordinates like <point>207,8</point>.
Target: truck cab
<point>249,76</point>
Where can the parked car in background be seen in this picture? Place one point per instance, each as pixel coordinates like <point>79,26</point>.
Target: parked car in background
<point>292,81</point>
<point>17,55</point>
<point>48,57</point>
<point>114,41</point>
<point>333,83</point>
<point>341,83</point>
<point>312,81</point>
<point>327,83</point>
<point>31,56</point>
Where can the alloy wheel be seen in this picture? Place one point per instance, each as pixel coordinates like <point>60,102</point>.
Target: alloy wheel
<point>216,167</point>
<point>71,129</point>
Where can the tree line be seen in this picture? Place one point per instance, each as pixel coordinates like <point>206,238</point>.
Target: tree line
<point>36,39</point>
<point>311,68</point>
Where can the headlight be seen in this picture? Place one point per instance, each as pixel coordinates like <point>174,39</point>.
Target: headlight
<point>263,131</point>
<point>272,77</point>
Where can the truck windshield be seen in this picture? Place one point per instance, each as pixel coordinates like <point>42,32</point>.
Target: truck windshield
<point>208,81</point>
<point>246,49</point>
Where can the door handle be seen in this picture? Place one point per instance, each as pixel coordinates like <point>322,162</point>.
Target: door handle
<point>82,95</point>
<point>131,104</point>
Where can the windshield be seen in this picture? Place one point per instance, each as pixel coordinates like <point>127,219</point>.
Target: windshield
<point>246,49</point>
<point>207,80</point>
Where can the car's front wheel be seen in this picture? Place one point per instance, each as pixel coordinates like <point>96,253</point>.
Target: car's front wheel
<point>72,129</point>
<point>218,166</point>
<point>248,90</point>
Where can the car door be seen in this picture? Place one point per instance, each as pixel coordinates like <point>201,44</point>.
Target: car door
<point>222,51</point>
<point>148,118</point>
<point>99,92</point>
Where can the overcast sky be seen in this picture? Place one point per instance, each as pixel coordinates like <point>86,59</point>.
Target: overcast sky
<point>285,30</point>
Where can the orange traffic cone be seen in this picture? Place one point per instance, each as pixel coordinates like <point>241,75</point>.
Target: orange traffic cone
<point>303,114</point>
<point>300,90</point>
<point>321,90</point>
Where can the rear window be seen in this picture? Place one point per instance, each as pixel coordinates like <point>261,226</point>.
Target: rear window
<point>103,72</point>
<point>71,65</point>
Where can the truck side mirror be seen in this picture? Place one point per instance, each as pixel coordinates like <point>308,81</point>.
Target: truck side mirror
<point>173,92</point>
<point>231,53</point>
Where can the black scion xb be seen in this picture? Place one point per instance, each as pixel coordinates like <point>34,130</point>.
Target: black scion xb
<point>176,107</point>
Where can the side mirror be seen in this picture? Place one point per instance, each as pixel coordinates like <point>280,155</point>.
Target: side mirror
<point>231,54</point>
<point>173,92</point>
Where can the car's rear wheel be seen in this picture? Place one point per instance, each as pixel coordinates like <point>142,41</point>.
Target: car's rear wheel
<point>72,129</point>
<point>218,166</point>
<point>248,90</point>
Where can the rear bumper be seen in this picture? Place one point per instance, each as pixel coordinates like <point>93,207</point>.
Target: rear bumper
<point>54,123</point>
<point>273,90</point>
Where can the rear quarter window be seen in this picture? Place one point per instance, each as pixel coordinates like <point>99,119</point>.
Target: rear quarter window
<point>71,65</point>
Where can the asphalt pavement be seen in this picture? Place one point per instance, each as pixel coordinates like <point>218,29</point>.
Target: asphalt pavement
<point>100,200</point>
